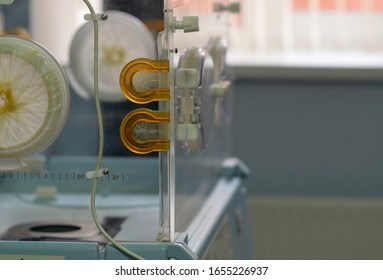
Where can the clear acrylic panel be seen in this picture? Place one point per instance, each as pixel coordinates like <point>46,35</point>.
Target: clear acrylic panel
<point>197,39</point>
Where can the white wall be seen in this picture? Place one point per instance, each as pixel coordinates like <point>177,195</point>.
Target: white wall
<point>272,26</point>
<point>53,23</point>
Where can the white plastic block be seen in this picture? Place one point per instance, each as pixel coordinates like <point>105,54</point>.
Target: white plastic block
<point>187,78</point>
<point>220,89</point>
<point>187,132</point>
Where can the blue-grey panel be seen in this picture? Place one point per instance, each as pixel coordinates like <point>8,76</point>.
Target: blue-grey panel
<point>16,15</point>
<point>310,138</point>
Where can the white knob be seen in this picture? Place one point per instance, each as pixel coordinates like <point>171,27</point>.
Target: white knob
<point>188,24</point>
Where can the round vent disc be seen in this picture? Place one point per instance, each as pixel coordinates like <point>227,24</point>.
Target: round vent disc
<point>34,98</point>
<point>122,38</point>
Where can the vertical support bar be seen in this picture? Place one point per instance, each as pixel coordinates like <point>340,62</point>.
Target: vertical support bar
<point>314,25</point>
<point>368,23</point>
<point>260,32</point>
<point>172,135</point>
<point>341,34</point>
<point>287,25</point>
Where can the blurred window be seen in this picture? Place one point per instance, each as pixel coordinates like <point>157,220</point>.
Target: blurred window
<point>279,26</point>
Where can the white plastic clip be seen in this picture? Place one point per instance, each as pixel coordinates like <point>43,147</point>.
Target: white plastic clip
<point>97,173</point>
<point>220,89</point>
<point>95,17</point>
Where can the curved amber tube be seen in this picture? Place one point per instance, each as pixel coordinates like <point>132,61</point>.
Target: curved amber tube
<point>149,95</point>
<point>138,134</point>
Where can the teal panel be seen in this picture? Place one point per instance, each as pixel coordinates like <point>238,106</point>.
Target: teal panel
<point>151,251</point>
<point>48,250</point>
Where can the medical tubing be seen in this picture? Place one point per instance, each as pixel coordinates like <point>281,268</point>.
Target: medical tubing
<point>101,141</point>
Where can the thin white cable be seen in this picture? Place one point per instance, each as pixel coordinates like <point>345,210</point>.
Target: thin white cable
<point>101,141</point>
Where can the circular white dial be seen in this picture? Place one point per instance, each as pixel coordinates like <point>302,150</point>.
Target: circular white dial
<point>34,97</point>
<point>122,38</point>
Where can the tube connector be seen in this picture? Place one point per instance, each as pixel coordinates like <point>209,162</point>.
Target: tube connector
<point>97,173</point>
<point>188,24</point>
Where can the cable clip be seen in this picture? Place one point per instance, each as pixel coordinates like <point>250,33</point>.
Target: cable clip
<point>95,17</point>
<point>97,173</point>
